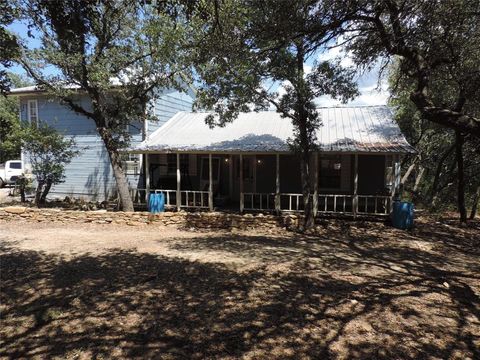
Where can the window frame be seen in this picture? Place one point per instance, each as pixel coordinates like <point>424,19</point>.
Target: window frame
<point>29,113</point>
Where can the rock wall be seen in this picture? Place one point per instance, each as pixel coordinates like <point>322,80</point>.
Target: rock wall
<point>198,220</point>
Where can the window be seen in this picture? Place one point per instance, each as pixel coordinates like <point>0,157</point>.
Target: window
<point>330,171</point>
<point>32,111</point>
<point>131,164</point>
<point>15,165</point>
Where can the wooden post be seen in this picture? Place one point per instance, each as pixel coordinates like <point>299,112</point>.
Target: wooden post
<point>179,194</point>
<point>277,185</point>
<point>355,187</point>
<point>147,177</point>
<point>241,183</point>
<point>396,180</point>
<point>230,176</point>
<point>210,183</point>
<point>315,184</point>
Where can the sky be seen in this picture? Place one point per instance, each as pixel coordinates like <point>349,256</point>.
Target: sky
<point>370,93</point>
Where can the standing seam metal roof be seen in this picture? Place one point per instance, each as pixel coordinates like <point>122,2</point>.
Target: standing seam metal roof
<point>344,129</point>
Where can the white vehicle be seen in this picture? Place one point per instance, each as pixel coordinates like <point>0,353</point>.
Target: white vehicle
<point>10,171</point>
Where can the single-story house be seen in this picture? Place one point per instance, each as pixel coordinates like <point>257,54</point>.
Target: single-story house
<point>90,175</point>
<point>247,165</point>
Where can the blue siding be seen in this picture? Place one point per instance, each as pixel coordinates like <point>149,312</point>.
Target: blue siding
<point>167,104</point>
<point>90,174</point>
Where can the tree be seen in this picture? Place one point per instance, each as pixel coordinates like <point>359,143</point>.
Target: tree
<point>48,152</point>
<point>8,44</point>
<point>10,122</point>
<point>113,52</point>
<point>445,156</point>
<point>428,38</point>
<point>248,48</point>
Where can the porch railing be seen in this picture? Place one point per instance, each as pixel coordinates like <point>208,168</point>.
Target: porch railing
<point>188,198</point>
<point>327,203</point>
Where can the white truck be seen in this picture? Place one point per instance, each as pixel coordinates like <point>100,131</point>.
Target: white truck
<point>10,171</point>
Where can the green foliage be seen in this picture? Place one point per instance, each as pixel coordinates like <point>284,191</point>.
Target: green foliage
<point>9,48</point>
<point>48,152</point>
<point>435,146</point>
<point>10,122</point>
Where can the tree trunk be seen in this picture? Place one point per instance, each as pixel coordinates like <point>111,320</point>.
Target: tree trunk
<point>309,219</point>
<point>461,180</point>
<point>438,172</point>
<point>476,199</point>
<point>409,171</point>
<point>38,193</point>
<point>46,190</point>
<point>126,201</point>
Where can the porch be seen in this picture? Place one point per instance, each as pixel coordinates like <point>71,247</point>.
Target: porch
<point>349,184</point>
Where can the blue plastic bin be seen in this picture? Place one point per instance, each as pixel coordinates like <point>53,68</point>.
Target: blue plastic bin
<point>402,215</point>
<point>156,203</point>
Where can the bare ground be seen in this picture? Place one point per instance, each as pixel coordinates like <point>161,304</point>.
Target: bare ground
<point>358,290</point>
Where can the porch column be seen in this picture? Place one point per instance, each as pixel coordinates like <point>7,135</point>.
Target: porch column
<point>396,180</point>
<point>147,177</point>
<point>230,176</point>
<point>210,183</point>
<point>355,187</point>
<point>277,185</point>
<point>241,183</point>
<point>179,194</point>
<point>315,184</point>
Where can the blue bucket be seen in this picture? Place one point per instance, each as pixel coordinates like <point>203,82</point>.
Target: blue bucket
<point>402,215</point>
<point>156,203</point>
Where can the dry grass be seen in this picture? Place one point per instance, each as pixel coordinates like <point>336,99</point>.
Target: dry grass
<point>359,290</point>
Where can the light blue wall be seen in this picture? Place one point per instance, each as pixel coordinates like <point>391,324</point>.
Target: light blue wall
<point>167,103</point>
<point>89,174</point>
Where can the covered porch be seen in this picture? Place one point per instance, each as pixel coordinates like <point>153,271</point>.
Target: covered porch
<point>351,184</point>
<point>247,165</point>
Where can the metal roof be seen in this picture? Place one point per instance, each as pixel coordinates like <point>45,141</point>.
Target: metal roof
<point>344,129</point>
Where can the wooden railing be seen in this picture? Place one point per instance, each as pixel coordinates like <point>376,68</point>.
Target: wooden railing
<point>327,203</point>
<point>259,201</point>
<point>188,198</point>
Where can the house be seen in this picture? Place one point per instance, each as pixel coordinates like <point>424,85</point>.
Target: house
<point>247,165</point>
<point>90,175</point>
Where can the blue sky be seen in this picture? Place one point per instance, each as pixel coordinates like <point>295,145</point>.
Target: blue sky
<point>367,81</point>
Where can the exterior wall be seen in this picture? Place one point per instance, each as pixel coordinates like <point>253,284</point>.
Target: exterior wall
<point>166,104</point>
<point>89,174</point>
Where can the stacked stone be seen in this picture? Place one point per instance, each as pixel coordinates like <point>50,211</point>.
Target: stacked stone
<point>196,220</point>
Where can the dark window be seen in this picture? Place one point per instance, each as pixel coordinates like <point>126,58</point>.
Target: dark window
<point>330,171</point>
<point>15,165</point>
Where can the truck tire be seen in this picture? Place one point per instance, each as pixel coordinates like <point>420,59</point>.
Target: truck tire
<point>2,183</point>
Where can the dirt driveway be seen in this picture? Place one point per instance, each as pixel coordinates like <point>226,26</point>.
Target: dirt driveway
<point>359,290</point>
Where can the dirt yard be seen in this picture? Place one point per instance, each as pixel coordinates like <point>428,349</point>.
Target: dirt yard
<point>361,290</point>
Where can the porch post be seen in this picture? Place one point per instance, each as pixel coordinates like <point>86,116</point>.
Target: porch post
<point>179,194</point>
<point>241,183</point>
<point>230,176</point>
<point>396,180</point>
<point>315,185</point>
<point>355,187</point>
<point>147,177</point>
<point>210,183</point>
<point>277,185</point>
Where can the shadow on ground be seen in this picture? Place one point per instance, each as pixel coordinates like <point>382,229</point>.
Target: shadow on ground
<point>353,292</point>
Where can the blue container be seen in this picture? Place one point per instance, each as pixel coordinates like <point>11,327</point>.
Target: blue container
<point>402,215</point>
<point>156,203</point>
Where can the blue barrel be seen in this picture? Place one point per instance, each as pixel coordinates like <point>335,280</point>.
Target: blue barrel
<point>156,203</point>
<point>402,215</point>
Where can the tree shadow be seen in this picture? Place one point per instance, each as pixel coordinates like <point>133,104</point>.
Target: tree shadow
<point>349,293</point>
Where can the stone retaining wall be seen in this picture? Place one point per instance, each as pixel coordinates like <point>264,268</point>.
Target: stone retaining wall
<point>199,220</point>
